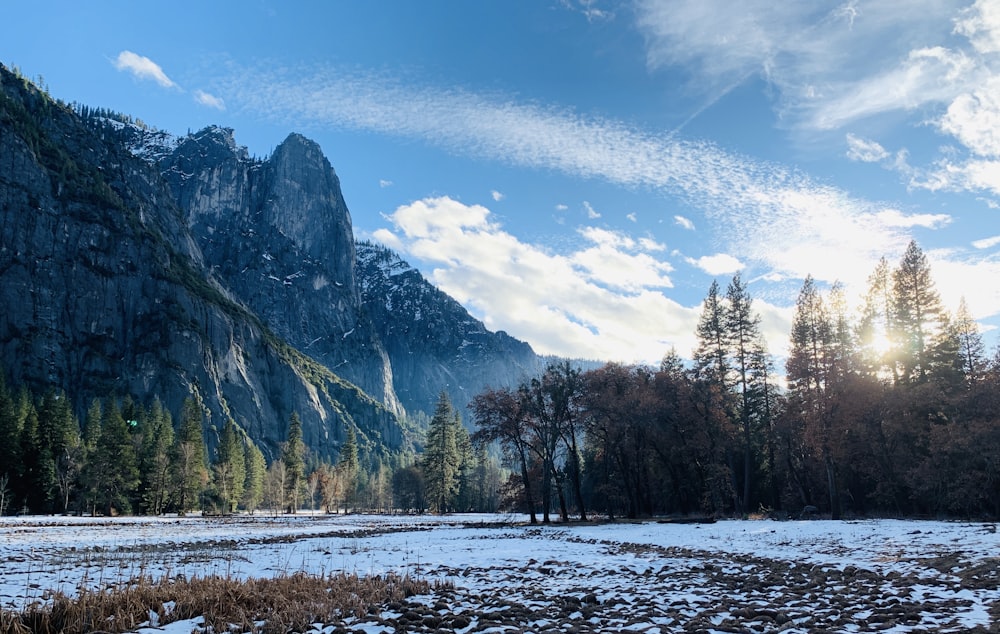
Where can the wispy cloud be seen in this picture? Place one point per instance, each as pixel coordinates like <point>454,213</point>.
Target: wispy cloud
<point>777,221</point>
<point>987,243</point>
<point>830,61</point>
<point>383,183</point>
<point>142,68</point>
<point>865,150</point>
<point>686,223</point>
<point>211,101</point>
<point>590,9</point>
<point>602,300</point>
<point>833,64</point>
<point>497,196</point>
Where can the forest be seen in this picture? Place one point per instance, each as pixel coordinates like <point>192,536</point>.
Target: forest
<point>887,410</point>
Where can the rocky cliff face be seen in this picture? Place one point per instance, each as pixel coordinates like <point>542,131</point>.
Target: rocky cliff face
<point>278,234</point>
<point>106,291</point>
<point>132,262</point>
<point>432,341</point>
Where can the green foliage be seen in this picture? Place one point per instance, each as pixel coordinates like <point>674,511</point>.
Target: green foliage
<point>229,469</point>
<point>189,460</point>
<point>156,437</point>
<point>293,455</point>
<point>256,468</point>
<point>440,463</point>
<point>113,466</point>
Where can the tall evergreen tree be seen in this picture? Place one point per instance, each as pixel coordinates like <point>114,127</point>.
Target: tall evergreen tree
<point>748,359</point>
<point>877,333</point>
<point>59,434</point>
<point>11,426</point>
<point>348,468</point>
<point>711,357</point>
<point>154,459</point>
<point>36,484</point>
<point>189,456</point>
<point>441,460</point>
<point>811,371</point>
<point>972,352</point>
<point>256,469</point>
<point>918,313</point>
<point>114,463</point>
<point>230,467</point>
<point>293,455</point>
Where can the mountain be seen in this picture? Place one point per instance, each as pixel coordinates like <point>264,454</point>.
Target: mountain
<point>133,262</point>
<point>432,342</point>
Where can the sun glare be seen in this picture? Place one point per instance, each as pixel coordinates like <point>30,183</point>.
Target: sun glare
<point>881,343</point>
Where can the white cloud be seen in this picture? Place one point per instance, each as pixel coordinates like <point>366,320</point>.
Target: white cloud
<point>973,118</point>
<point>684,222</point>
<point>383,183</point>
<point>211,101</point>
<point>986,243</point>
<point>561,207</point>
<point>821,56</point>
<point>600,301</point>
<point>589,9</point>
<point>896,218</point>
<point>718,264</point>
<point>931,75</point>
<point>776,220</point>
<point>497,196</point>
<point>632,217</point>
<point>959,275</point>
<point>591,212</point>
<point>981,24</point>
<point>865,150</point>
<point>649,244</point>
<point>143,68</point>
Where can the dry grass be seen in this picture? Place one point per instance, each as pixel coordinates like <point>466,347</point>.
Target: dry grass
<point>281,604</point>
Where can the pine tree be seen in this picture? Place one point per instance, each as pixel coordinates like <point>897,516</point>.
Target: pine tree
<point>348,467</point>
<point>230,467</point>
<point>293,455</point>
<point>811,369</point>
<point>154,459</point>
<point>256,469</point>
<point>59,433</point>
<point>877,334</point>
<point>465,468</point>
<point>38,471</point>
<point>749,362</point>
<point>440,459</point>
<point>711,356</point>
<point>190,475</point>
<point>918,314</point>
<point>114,463</point>
<point>10,438</point>
<point>971,351</point>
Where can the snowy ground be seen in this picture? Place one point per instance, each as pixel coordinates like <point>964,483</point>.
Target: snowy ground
<point>731,576</point>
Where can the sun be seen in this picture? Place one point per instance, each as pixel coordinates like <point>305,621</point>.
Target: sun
<point>880,342</point>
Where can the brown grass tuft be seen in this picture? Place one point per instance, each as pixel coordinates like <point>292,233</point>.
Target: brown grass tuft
<point>265,605</point>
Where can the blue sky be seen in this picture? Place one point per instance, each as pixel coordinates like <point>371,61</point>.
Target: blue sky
<point>578,172</point>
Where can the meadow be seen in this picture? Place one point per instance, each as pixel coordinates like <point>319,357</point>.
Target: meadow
<point>495,573</point>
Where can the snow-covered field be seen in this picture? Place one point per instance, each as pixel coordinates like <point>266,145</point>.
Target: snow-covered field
<point>731,576</point>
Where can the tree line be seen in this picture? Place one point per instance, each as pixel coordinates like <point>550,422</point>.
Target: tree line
<point>127,458</point>
<point>892,410</point>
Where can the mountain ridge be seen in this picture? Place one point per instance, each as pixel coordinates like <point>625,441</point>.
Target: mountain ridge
<point>169,266</point>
